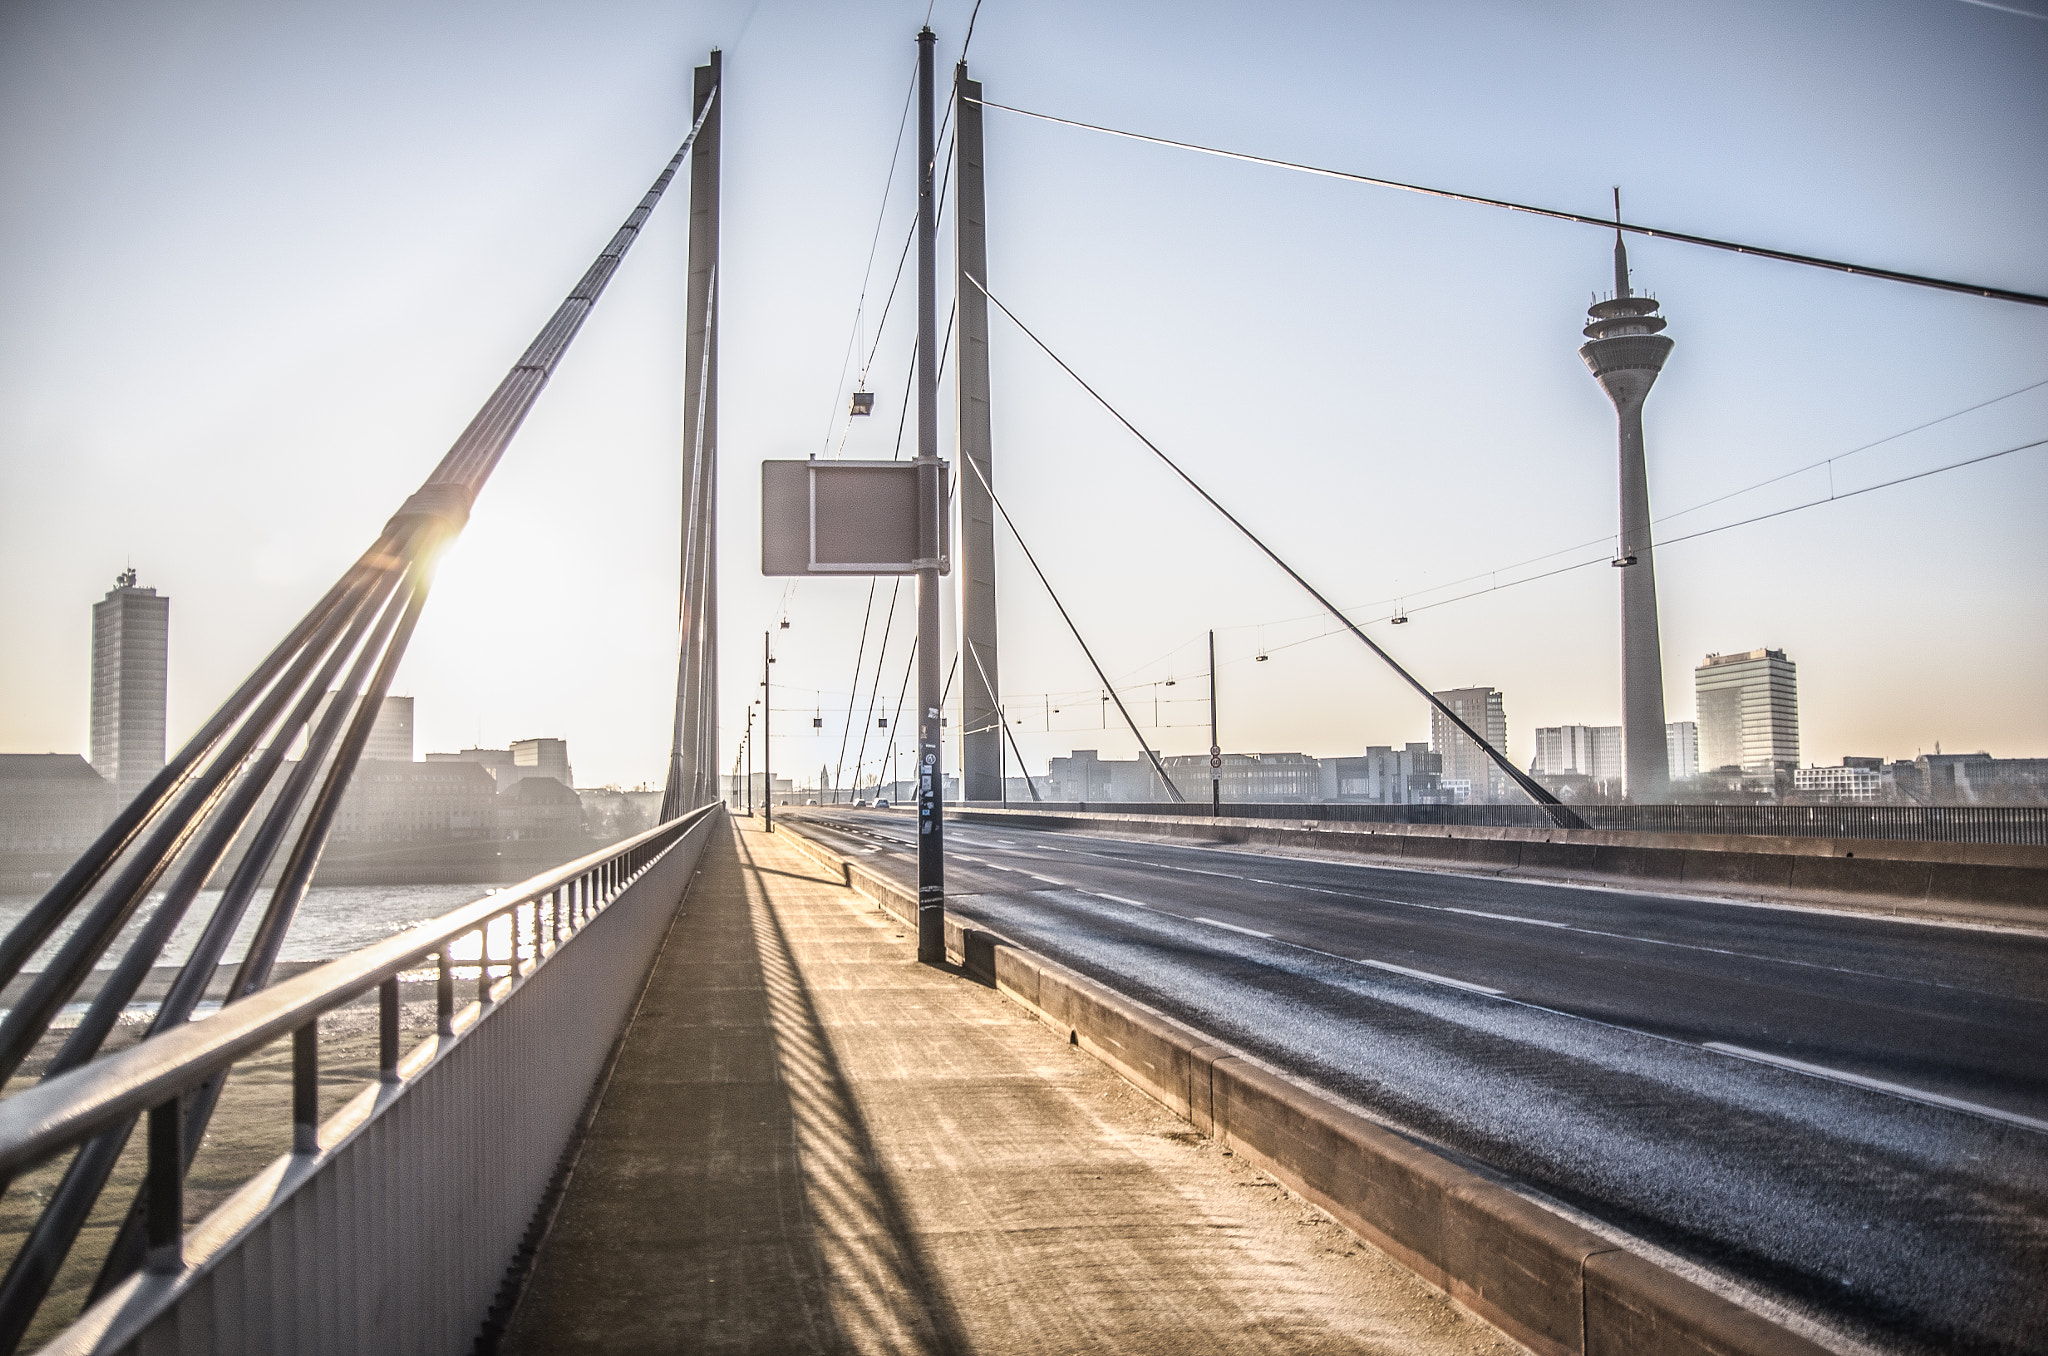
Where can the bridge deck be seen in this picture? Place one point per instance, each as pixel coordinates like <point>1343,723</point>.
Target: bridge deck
<point>811,1143</point>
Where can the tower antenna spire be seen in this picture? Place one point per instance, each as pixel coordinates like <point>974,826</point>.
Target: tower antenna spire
<point>1620,250</point>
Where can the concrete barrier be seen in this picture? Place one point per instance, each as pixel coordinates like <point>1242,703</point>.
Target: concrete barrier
<point>1970,882</point>
<point>1554,1286</point>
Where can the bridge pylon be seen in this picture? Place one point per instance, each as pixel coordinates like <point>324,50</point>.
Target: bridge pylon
<point>693,751</point>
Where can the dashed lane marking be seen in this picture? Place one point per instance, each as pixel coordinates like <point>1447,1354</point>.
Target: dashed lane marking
<point>1878,1085</point>
<point>1232,927</point>
<point>1432,978</point>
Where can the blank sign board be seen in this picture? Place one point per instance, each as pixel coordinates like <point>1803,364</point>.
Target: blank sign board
<point>852,517</point>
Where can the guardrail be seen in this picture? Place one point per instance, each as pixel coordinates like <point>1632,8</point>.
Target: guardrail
<point>2016,824</point>
<point>391,1225</point>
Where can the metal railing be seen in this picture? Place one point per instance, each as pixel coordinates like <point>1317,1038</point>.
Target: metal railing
<point>2007,824</point>
<point>501,943</point>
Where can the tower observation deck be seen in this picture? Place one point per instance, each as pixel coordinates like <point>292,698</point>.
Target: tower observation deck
<point>1625,351</point>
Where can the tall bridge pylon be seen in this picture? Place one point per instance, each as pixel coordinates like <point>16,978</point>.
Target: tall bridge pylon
<point>693,750</point>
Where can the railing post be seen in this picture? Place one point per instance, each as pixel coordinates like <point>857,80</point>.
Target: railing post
<point>306,1088</point>
<point>387,1031</point>
<point>164,1205</point>
<point>483,967</point>
<point>536,936</point>
<point>444,998</point>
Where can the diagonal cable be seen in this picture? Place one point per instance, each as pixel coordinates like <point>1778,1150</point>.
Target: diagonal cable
<point>1536,791</point>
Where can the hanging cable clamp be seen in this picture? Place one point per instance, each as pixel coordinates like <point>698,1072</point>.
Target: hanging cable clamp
<point>447,502</point>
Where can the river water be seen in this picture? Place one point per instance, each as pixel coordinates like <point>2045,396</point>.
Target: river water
<point>332,921</point>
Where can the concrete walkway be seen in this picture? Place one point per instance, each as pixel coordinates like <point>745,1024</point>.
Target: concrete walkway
<point>812,1143</point>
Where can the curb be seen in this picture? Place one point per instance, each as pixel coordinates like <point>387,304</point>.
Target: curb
<point>1548,1283</point>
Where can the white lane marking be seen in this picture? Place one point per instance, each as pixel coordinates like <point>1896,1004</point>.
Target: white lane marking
<point>1006,842</point>
<point>1878,1085</point>
<point>1119,899</point>
<point>1434,979</point>
<point>1361,898</point>
<point>1513,918</point>
<point>1232,927</point>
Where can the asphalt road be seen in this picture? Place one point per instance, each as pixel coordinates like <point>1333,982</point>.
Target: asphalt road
<point>1846,1114</point>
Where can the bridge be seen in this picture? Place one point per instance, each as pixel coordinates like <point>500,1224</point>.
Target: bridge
<point>1021,1075</point>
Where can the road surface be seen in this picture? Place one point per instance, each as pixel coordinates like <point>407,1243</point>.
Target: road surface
<point>1846,1114</point>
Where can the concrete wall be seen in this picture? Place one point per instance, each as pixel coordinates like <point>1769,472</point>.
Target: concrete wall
<point>1548,1283</point>
<point>1977,882</point>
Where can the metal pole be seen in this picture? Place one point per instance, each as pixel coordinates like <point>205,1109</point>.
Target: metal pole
<point>767,748</point>
<point>1215,747</point>
<point>931,850</point>
<point>748,746</point>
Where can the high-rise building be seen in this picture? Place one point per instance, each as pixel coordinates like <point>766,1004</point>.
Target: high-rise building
<point>1682,744</point>
<point>1579,750</point>
<point>131,633</point>
<point>1626,352</point>
<point>1485,711</point>
<point>1748,712</point>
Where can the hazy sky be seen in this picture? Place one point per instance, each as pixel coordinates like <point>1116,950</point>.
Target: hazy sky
<point>263,260</point>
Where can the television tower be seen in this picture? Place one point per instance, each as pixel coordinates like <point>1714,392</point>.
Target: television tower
<point>1626,353</point>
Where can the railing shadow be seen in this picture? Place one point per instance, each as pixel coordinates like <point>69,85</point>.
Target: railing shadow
<point>883,1294</point>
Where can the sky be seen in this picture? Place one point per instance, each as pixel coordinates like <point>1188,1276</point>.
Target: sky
<point>263,260</point>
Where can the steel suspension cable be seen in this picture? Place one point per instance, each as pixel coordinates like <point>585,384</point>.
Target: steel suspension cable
<point>1556,214</point>
<point>853,691</point>
<point>1010,523</point>
<point>1565,817</point>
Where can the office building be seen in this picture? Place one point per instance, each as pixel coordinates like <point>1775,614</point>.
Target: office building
<point>1966,779</point>
<point>1748,708</point>
<point>526,758</point>
<point>131,631</point>
<point>1682,744</point>
<point>1386,775</point>
<point>1082,776</point>
<point>1464,761</point>
<point>1592,751</point>
<point>1245,776</point>
<point>407,802</point>
<point>1856,780</point>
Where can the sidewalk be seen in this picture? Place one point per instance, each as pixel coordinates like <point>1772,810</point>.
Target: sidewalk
<point>812,1143</point>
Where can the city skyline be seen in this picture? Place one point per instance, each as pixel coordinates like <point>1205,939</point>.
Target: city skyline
<point>1384,386</point>
<point>392,735</point>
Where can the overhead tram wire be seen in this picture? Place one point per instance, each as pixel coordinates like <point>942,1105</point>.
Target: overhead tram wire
<point>1603,558</point>
<point>1660,522</point>
<point>1010,523</point>
<point>1536,791</point>
<point>1555,214</point>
